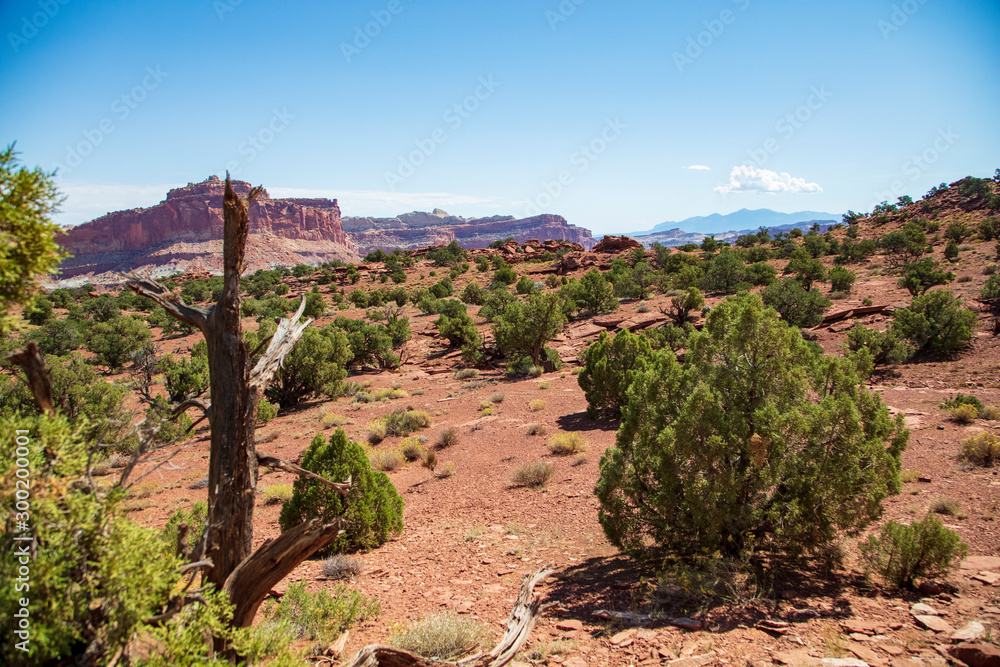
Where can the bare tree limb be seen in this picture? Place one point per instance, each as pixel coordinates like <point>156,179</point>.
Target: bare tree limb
<point>522,619</point>
<point>33,364</point>
<point>251,580</point>
<point>193,315</point>
<point>288,466</point>
<point>284,339</point>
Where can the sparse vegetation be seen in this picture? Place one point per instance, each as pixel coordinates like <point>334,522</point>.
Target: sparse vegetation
<point>445,636</point>
<point>533,475</point>
<point>567,443</point>
<point>901,554</point>
<point>447,438</point>
<point>536,405</point>
<point>321,615</point>
<point>277,493</point>
<point>981,449</point>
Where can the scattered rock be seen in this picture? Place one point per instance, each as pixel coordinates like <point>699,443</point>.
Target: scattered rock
<point>694,661</point>
<point>574,661</point>
<point>921,609</point>
<point>570,625</point>
<point>892,649</point>
<point>865,653</point>
<point>976,655</point>
<point>687,623</point>
<point>862,627</point>
<point>935,623</point>
<point>988,578</point>
<point>929,588</point>
<point>623,636</point>
<point>969,632</point>
<point>616,244</point>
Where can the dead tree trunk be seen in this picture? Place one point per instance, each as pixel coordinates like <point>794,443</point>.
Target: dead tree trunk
<point>236,391</point>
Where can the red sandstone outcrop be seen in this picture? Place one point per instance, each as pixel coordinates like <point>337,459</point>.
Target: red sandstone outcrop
<point>616,244</point>
<point>184,232</point>
<point>414,230</point>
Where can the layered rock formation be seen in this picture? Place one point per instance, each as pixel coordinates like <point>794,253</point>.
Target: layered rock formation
<point>184,233</point>
<point>419,230</point>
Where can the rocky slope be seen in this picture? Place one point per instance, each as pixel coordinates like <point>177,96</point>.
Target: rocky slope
<point>184,233</point>
<point>419,230</point>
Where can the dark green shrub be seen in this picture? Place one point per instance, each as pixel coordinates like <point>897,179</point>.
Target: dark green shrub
<point>901,554</point>
<point>104,308</point>
<point>447,255</point>
<point>372,510</point>
<point>358,298</point>
<point>504,275</point>
<point>473,294</point>
<point>936,322</point>
<point>524,328</point>
<point>442,288</point>
<point>482,264</point>
<point>60,337</point>
<point>951,250</point>
<point>370,344</point>
<point>756,440</point>
<point>806,269</point>
<point>184,378</point>
<point>610,365</point>
<point>971,187</point>
<point>683,305</point>
<point>961,399</point>
<point>841,279</point>
<point>460,330</point>
<point>315,305</point>
<point>115,341</point>
<point>40,310</point>
<point>595,293</point>
<point>884,347</point>
<point>921,275</point>
<point>725,273</point>
<point>314,366</point>
<point>761,273</point>
<point>990,293</point>
<point>525,285</point>
<point>266,411</point>
<point>798,306</point>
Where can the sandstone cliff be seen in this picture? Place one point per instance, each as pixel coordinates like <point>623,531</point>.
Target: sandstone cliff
<point>184,232</point>
<point>419,230</point>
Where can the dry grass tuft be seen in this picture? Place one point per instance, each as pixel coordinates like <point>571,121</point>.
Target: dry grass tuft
<point>533,475</point>
<point>982,449</point>
<point>342,567</point>
<point>385,460</point>
<point>444,636</point>
<point>536,405</point>
<point>567,443</point>
<point>447,438</point>
<point>277,493</point>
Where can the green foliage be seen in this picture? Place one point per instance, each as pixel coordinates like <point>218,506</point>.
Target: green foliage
<point>314,366</point>
<point>195,519</point>
<point>726,273</point>
<point>815,245</point>
<point>372,509</point>
<point>442,288</point>
<point>321,615</point>
<point>504,275</point>
<point>884,347</point>
<point>903,246</point>
<point>610,365</point>
<point>990,293</point>
<point>461,332</point>
<point>798,306</point>
<point>841,279</point>
<point>370,344</point>
<point>595,293</point>
<point>184,378</point>
<point>60,336</point>
<point>93,575</point>
<point>358,298</point>
<point>681,306</point>
<point>901,554</point>
<point>981,449</point>
<point>971,187</point>
<point>27,235</point>
<point>936,322</point>
<point>951,250</point>
<point>523,328</point>
<point>806,269</point>
<point>525,285</point>
<point>961,399</point>
<point>474,295</point>
<point>40,310</point>
<point>266,411</point>
<point>444,636</point>
<point>315,305</point>
<point>447,255</point>
<point>761,273</point>
<point>923,274</point>
<point>756,440</point>
<point>482,264</point>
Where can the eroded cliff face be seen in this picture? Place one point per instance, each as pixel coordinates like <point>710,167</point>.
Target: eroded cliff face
<point>184,232</point>
<point>419,230</point>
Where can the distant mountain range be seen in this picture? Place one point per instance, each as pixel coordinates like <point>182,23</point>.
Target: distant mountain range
<point>731,225</point>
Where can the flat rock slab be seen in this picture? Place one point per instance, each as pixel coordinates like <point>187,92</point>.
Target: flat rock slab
<point>981,563</point>
<point>935,623</point>
<point>863,627</point>
<point>969,632</point>
<point>570,625</point>
<point>693,661</point>
<point>988,578</point>
<point>921,609</point>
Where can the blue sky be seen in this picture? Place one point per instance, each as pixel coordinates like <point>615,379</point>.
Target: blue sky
<point>617,116</point>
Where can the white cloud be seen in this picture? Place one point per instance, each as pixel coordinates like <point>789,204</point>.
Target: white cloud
<point>697,167</point>
<point>748,178</point>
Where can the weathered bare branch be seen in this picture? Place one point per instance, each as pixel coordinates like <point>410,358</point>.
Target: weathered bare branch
<point>193,315</point>
<point>251,580</point>
<point>522,619</point>
<point>288,466</point>
<point>33,364</point>
<point>288,334</point>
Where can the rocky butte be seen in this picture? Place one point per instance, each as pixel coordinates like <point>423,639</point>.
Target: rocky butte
<point>184,233</point>
<point>419,230</point>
